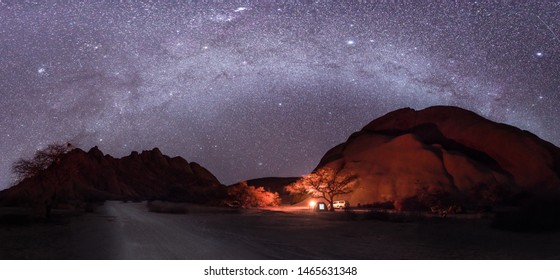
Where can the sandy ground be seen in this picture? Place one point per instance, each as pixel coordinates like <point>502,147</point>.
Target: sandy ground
<point>120,230</point>
<point>68,235</point>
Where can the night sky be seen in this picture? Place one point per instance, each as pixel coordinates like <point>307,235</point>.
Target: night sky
<point>253,89</point>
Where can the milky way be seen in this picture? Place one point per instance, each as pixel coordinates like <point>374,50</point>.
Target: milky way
<point>254,89</point>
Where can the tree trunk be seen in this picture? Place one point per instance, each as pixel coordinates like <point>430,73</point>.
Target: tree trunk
<point>331,202</point>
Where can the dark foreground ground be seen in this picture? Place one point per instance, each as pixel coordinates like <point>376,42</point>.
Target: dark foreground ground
<point>120,230</point>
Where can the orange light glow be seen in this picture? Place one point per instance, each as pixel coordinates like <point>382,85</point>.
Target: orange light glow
<point>312,203</point>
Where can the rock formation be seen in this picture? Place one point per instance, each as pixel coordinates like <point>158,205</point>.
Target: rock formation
<point>446,151</point>
<point>91,176</point>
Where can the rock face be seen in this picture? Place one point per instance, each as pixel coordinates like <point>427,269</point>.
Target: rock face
<point>446,150</point>
<point>89,176</point>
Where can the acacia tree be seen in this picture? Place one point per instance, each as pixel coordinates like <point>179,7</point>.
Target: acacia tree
<point>26,168</point>
<point>43,159</point>
<point>325,183</point>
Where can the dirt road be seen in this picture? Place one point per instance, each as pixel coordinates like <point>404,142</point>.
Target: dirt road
<point>145,235</point>
<point>118,230</point>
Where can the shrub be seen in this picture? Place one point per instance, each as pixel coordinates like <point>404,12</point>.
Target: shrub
<point>412,203</point>
<point>386,205</point>
<point>484,197</point>
<point>244,196</point>
<point>432,199</point>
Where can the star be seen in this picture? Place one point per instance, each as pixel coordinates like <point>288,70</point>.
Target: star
<point>262,82</point>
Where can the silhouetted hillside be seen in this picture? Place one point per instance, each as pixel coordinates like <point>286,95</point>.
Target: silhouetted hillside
<point>82,176</point>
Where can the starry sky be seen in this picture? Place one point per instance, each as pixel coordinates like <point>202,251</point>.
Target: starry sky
<point>263,88</point>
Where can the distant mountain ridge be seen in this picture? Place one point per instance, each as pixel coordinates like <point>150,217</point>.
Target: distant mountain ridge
<point>92,175</point>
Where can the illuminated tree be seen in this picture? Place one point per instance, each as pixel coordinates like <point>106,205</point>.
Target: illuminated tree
<point>244,196</point>
<point>326,183</point>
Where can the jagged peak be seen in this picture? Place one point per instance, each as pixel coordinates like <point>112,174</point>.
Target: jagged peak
<point>95,175</point>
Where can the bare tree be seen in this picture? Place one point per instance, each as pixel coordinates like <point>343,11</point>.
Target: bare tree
<point>326,183</point>
<point>26,168</point>
<point>43,159</point>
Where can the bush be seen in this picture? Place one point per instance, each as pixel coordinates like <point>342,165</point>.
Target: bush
<point>244,196</point>
<point>385,205</point>
<point>484,196</point>
<point>432,199</point>
<point>412,203</point>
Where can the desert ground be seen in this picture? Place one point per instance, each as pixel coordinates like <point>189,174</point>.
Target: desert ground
<point>119,230</point>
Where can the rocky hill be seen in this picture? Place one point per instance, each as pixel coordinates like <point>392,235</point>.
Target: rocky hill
<point>445,151</point>
<point>90,176</point>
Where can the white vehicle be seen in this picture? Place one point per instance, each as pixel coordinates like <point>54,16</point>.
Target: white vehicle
<point>341,204</point>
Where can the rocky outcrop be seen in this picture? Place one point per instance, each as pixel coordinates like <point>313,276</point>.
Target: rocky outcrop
<point>90,176</point>
<point>445,150</point>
